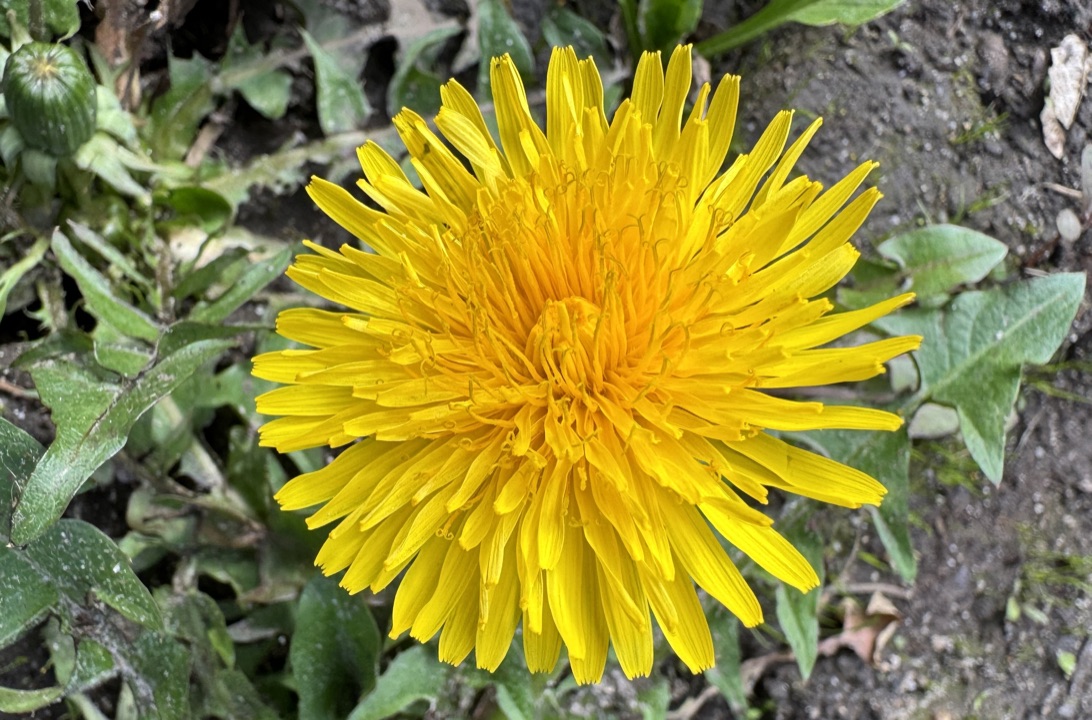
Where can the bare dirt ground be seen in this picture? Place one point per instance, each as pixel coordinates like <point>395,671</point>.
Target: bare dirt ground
<point>946,96</point>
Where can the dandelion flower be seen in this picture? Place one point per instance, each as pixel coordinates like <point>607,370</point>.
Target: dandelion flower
<point>552,379</point>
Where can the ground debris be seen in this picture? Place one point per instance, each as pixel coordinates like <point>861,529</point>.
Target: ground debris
<point>1069,69</point>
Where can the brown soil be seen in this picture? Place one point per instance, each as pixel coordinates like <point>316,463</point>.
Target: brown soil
<point>946,96</point>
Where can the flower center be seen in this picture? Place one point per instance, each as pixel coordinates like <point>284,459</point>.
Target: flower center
<point>564,345</point>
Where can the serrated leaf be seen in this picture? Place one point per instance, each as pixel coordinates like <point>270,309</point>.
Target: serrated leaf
<point>562,27</point>
<point>76,558</point>
<point>414,674</point>
<point>797,612</point>
<point>886,457</point>
<point>26,599</point>
<point>416,87</point>
<point>498,34</point>
<point>664,23</point>
<point>334,651</point>
<point>256,277</point>
<point>938,258</point>
<point>101,300</point>
<point>340,97</point>
<point>809,12</point>
<point>25,701</point>
<point>93,420</point>
<point>974,350</point>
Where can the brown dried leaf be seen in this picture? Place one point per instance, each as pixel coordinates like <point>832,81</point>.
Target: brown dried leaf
<point>1070,64</point>
<point>864,632</point>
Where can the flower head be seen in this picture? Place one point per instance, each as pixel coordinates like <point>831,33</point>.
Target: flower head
<point>552,379</point>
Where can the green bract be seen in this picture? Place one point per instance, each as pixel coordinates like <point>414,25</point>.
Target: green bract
<point>50,96</point>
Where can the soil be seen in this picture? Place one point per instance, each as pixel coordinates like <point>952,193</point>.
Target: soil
<point>946,95</point>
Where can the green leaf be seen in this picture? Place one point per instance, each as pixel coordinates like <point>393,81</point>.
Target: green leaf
<point>244,68</point>
<point>938,258</point>
<point>797,612</point>
<point>339,96</point>
<point>725,676</point>
<point>108,252</point>
<point>160,677</point>
<point>101,300</point>
<point>193,205</point>
<point>112,118</point>
<point>25,701</point>
<point>93,419</point>
<point>498,34</point>
<point>886,457</point>
<point>413,675</point>
<point>847,12</point>
<point>562,26</point>
<point>810,12</point>
<point>26,599</point>
<point>663,23</point>
<point>102,156</point>
<point>334,651</point>
<point>94,665</point>
<point>516,698</point>
<point>116,352</point>
<point>61,17</point>
<point>654,698</point>
<point>19,453</point>
<point>223,269</point>
<point>76,558</point>
<point>414,85</point>
<point>177,113</point>
<point>256,277</point>
<point>974,349</point>
<point>13,274</point>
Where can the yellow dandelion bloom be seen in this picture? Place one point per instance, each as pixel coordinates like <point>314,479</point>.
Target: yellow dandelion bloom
<point>552,379</point>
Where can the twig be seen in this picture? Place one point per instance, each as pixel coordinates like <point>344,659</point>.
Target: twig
<point>16,391</point>
<point>691,706</point>
<point>866,588</point>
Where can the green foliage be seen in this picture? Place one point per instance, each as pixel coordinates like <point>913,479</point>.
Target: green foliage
<point>808,12</point>
<point>797,612</point>
<point>341,102</point>
<point>413,84</point>
<point>59,17</point>
<point>562,26</point>
<point>931,261</point>
<point>498,34</point>
<point>886,457</point>
<point>205,602</point>
<point>974,349</point>
<point>415,674</point>
<point>659,25</point>
<point>334,651</point>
